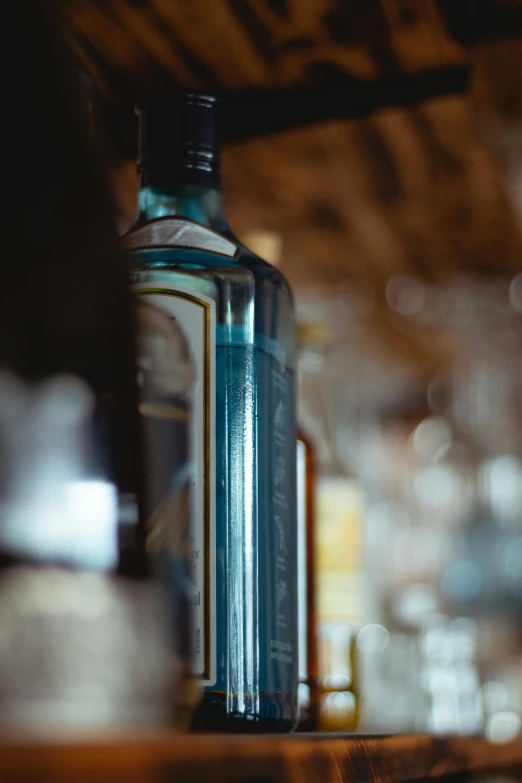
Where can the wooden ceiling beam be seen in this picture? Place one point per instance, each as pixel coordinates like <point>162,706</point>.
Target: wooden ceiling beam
<point>476,21</point>
<point>251,113</point>
<point>254,113</point>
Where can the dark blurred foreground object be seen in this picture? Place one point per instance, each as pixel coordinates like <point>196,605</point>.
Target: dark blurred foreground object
<point>473,21</point>
<point>83,641</point>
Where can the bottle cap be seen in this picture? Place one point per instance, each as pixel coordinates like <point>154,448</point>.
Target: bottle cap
<point>178,139</point>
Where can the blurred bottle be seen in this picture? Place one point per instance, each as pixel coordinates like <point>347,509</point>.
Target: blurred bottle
<point>84,644</point>
<point>340,591</point>
<point>307,692</point>
<point>339,566</point>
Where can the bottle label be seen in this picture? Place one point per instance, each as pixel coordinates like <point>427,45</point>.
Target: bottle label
<point>340,568</point>
<point>176,335</point>
<point>277,507</point>
<point>179,232</point>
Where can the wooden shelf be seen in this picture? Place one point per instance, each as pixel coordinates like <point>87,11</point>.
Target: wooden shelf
<point>299,758</point>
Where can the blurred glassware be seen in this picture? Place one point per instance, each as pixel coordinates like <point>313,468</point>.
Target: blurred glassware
<point>81,650</point>
<point>393,699</point>
<point>450,676</point>
<point>442,476</point>
<point>339,542</point>
<point>405,294</point>
<point>482,402</point>
<point>421,678</point>
<point>482,320</point>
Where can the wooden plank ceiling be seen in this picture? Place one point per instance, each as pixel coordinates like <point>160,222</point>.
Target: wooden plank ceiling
<point>417,191</point>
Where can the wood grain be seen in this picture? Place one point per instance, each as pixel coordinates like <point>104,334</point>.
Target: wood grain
<point>269,759</point>
<point>245,43</point>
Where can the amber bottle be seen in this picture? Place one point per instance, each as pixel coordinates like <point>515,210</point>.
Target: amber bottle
<point>308,695</point>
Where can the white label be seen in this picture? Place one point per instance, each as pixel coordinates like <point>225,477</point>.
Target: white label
<point>179,232</point>
<point>195,315</point>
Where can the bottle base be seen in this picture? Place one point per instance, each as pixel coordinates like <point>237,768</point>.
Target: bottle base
<point>276,716</point>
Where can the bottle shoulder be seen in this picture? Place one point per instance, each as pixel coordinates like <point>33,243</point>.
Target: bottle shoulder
<point>264,272</point>
<point>253,299</point>
<point>169,238</point>
<point>182,245</point>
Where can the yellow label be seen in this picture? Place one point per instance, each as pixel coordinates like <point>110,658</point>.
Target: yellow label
<point>339,550</point>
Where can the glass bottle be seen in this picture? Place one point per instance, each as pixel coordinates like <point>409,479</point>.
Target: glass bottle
<point>84,644</point>
<point>339,567</point>
<point>340,597</point>
<point>236,313</point>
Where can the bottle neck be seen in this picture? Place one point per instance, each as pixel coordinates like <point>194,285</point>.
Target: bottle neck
<point>197,202</point>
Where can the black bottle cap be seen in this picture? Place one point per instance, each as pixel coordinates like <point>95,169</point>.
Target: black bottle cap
<point>178,139</point>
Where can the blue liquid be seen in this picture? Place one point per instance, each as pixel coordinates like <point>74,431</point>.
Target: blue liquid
<point>256,546</point>
<point>256,635</point>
